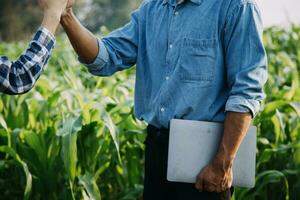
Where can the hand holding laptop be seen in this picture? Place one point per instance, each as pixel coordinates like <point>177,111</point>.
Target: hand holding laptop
<point>193,146</point>
<point>217,176</point>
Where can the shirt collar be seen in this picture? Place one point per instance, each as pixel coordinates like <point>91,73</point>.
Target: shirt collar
<point>198,2</point>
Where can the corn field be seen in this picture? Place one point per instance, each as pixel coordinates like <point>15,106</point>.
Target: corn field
<point>74,135</point>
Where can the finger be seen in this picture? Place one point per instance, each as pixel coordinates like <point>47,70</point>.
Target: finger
<point>200,183</point>
<point>210,188</point>
<point>224,188</point>
<point>226,185</point>
<point>70,3</point>
<point>219,189</point>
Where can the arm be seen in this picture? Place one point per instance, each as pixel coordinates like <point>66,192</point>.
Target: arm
<point>217,176</point>
<point>103,57</point>
<point>245,60</point>
<point>83,41</point>
<point>236,126</point>
<point>20,76</point>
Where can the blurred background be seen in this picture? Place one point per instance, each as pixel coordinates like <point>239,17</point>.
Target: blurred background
<point>20,18</point>
<point>279,12</point>
<point>74,135</point>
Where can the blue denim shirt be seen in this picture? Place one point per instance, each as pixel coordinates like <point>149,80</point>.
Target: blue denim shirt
<point>194,60</point>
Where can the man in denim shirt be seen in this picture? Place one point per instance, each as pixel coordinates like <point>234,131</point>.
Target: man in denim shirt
<point>195,59</point>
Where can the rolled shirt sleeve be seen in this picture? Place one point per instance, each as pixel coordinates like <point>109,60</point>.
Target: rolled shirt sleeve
<point>118,50</point>
<point>245,59</point>
<point>45,39</point>
<point>20,76</point>
<point>100,62</point>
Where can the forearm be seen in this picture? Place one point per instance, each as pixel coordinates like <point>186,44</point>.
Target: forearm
<point>52,10</point>
<point>51,22</point>
<point>236,126</point>
<point>20,76</point>
<point>83,41</point>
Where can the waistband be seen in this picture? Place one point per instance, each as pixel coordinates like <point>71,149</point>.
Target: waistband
<point>153,129</point>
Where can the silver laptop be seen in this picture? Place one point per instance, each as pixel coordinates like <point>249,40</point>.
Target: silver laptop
<point>193,145</point>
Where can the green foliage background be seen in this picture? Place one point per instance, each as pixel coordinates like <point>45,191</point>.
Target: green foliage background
<point>74,135</point>
<point>19,18</point>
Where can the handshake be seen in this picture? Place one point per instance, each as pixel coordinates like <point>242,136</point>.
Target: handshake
<point>20,76</point>
<point>53,10</point>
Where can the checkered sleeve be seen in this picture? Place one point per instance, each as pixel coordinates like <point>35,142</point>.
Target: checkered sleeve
<point>20,76</point>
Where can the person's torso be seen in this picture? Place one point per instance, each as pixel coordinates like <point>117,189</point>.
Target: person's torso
<point>180,64</point>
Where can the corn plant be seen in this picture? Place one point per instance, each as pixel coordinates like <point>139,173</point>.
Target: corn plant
<point>74,135</point>
<point>278,160</point>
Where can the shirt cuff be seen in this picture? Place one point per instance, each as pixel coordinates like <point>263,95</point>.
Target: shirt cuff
<point>242,105</point>
<point>45,38</point>
<point>100,61</point>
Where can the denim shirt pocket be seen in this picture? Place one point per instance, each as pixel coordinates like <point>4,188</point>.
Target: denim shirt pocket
<point>197,61</point>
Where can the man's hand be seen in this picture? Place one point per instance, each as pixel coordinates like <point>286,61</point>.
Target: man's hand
<point>69,7</point>
<point>83,41</point>
<point>70,3</point>
<point>216,177</point>
<point>52,10</point>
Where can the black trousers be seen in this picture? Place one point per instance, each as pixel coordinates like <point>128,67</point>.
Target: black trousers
<point>156,186</point>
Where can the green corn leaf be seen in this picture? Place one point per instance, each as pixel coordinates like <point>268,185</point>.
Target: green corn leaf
<point>4,126</point>
<point>103,167</point>
<point>132,194</point>
<point>69,154</point>
<point>273,176</point>
<point>112,129</point>
<point>295,86</point>
<point>272,106</point>
<point>295,133</point>
<point>3,123</point>
<point>34,141</point>
<point>71,125</point>
<point>296,107</point>
<point>296,157</point>
<point>1,105</point>
<point>28,175</point>
<point>69,146</point>
<point>279,127</point>
<point>90,186</point>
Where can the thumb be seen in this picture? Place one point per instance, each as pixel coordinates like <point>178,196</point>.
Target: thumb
<point>70,3</point>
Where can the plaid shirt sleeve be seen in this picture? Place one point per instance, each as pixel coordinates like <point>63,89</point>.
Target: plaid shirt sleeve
<point>20,76</point>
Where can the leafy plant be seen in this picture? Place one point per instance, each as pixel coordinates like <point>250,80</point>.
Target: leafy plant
<point>74,135</point>
<point>278,169</point>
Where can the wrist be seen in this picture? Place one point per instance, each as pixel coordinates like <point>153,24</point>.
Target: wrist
<point>52,15</point>
<point>223,162</point>
<point>223,158</point>
<point>50,22</point>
